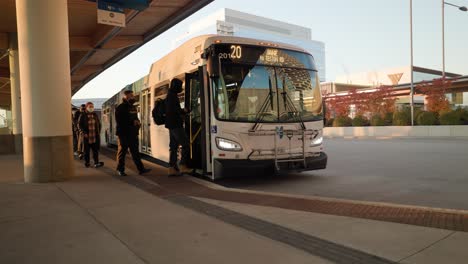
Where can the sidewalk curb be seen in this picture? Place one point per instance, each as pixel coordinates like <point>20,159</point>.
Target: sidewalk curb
<point>327,199</point>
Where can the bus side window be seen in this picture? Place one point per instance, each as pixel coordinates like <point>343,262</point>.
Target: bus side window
<point>161,90</point>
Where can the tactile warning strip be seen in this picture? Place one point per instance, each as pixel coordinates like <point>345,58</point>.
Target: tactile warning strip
<point>316,246</point>
<point>311,244</point>
<point>450,220</point>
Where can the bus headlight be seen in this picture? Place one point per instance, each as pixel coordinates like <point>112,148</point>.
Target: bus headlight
<point>317,141</point>
<point>228,145</point>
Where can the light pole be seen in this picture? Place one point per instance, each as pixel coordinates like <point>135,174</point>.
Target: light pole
<point>412,64</point>
<point>461,8</point>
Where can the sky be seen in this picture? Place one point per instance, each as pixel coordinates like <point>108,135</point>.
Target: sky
<point>359,35</point>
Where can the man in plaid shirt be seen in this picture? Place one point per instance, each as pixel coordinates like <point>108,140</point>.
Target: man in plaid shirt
<point>90,126</point>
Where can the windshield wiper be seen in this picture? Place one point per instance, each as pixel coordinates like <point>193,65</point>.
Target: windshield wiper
<point>268,102</point>
<point>289,106</point>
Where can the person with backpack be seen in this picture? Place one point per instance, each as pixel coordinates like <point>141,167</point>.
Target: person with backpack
<point>128,127</point>
<point>159,112</point>
<point>90,128</point>
<point>174,120</point>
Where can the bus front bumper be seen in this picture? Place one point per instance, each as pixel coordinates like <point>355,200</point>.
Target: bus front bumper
<point>239,167</point>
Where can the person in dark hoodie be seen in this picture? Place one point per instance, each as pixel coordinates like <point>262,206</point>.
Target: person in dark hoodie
<point>90,127</point>
<point>174,122</point>
<point>128,127</point>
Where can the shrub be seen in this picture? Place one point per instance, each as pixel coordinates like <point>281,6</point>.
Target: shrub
<point>463,112</point>
<point>329,122</point>
<point>417,112</point>
<point>402,117</point>
<point>426,119</point>
<point>377,120</point>
<point>388,119</point>
<point>359,121</point>
<point>342,121</point>
<point>451,118</point>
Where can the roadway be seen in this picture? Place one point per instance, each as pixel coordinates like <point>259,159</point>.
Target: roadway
<point>423,172</point>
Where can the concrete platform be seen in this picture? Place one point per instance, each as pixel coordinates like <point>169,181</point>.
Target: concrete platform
<point>97,218</point>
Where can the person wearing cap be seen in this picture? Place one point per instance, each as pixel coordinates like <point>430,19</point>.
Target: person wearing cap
<point>90,128</point>
<point>128,127</point>
<point>177,136</point>
<point>80,148</point>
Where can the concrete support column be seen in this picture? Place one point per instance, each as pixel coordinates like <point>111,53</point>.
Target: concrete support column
<point>45,89</point>
<point>15,93</point>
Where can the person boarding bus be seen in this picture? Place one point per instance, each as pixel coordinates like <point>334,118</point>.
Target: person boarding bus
<point>177,137</point>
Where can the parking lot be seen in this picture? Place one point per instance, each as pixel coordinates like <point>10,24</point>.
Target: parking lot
<point>424,172</point>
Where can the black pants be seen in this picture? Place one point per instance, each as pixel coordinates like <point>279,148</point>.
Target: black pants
<point>126,142</point>
<point>75,141</point>
<point>91,147</point>
<point>178,138</point>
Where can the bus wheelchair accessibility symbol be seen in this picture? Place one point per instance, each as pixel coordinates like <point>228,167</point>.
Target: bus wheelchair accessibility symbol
<point>280,132</point>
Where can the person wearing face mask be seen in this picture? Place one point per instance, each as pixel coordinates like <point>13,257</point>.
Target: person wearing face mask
<point>128,126</point>
<point>177,136</point>
<point>90,128</point>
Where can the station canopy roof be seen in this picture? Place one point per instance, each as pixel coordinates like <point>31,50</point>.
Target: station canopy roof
<point>95,47</point>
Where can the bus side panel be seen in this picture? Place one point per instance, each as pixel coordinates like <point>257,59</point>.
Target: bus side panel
<point>159,142</point>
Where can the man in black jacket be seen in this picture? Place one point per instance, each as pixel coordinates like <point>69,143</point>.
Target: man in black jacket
<point>90,127</point>
<point>174,122</point>
<point>128,126</point>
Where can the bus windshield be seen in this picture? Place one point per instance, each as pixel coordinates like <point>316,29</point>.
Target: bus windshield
<point>281,89</point>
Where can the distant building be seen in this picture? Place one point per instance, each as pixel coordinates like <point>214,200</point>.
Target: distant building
<point>392,76</point>
<point>234,23</point>
<point>333,87</point>
<point>399,79</point>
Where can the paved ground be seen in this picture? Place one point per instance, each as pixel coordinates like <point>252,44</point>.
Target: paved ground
<point>425,172</point>
<point>97,218</point>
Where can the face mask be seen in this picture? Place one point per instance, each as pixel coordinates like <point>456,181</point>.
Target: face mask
<point>131,101</point>
<point>90,109</point>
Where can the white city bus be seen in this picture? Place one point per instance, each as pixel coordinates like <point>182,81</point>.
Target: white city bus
<point>256,106</point>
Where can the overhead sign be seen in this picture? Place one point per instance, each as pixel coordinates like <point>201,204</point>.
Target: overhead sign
<point>139,5</point>
<point>110,14</point>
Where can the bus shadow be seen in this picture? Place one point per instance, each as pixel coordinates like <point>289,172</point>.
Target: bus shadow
<point>270,179</point>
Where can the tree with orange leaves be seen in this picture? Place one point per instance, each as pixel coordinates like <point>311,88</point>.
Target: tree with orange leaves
<point>380,101</point>
<point>435,94</point>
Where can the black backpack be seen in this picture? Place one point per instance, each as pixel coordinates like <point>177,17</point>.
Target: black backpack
<point>159,112</point>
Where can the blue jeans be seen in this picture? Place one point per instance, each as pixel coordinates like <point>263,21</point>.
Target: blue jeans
<point>178,138</point>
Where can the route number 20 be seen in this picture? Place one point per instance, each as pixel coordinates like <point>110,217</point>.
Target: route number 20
<point>236,52</point>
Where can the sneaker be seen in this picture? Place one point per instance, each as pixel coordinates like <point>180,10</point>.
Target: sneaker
<point>121,173</point>
<point>172,172</point>
<point>81,156</point>
<point>185,170</point>
<point>143,171</point>
<point>87,165</point>
<point>99,164</point>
